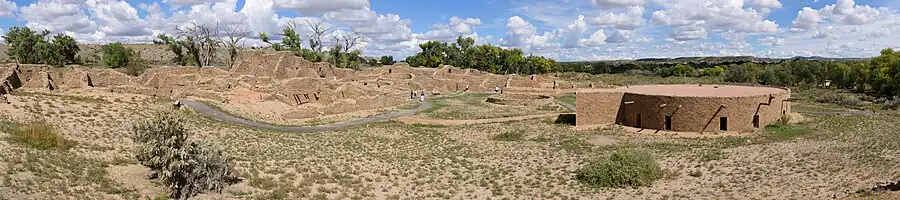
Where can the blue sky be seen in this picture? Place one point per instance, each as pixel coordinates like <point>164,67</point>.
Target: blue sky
<point>561,29</point>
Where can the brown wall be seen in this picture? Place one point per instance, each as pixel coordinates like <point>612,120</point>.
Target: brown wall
<point>597,108</point>
<point>688,114</point>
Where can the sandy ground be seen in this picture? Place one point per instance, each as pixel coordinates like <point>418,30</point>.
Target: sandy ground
<point>392,160</point>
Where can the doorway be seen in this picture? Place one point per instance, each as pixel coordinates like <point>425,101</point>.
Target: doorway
<point>755,121</point>
<point>668,122</point>
<point>723,123</point>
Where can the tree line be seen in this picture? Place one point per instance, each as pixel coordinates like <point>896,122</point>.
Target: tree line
<point>465,54</point>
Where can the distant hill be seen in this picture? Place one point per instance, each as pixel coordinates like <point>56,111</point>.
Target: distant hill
<point>715,60</point>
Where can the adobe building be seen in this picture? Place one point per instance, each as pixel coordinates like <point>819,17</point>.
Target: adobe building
<point>684,108</point>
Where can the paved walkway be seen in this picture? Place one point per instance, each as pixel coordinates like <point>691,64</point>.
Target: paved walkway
<point>215,113</point>
<point>225,117</point>
<point>567,105</point>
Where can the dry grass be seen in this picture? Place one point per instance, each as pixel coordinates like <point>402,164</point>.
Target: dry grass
<point>390,160</point>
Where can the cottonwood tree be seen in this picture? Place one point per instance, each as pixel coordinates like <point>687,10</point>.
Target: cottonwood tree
<point>318,30</point>
<point>340,54</point>
<point>233,35</point>
<point>197,41</point>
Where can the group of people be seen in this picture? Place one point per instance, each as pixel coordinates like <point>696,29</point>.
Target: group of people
<point>421,95</point>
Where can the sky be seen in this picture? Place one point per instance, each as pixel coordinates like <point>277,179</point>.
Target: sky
<point>565,30</point>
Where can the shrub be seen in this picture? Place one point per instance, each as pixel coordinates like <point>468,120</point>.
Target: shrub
<point>116,55</point>
<point>508,136</point>
<point>892,104</point>
<point>187,168</point>
<point>621,168</point>
<point>38,135</point>
<point>639,72</point>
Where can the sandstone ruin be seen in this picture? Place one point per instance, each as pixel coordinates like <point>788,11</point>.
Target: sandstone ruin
<point>280,80</point>
<point>686,108</point>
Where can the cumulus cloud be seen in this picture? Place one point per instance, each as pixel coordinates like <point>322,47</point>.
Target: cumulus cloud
<point>687,33</point>
<point>574,32</point>
<point>117,18</point>
<point>616,3</point>
<point>843,12</point>
<point>629,20</point>
<point>768,4</point>
<point>770,40</point>
<point>449,32</point>
<point>719,15</point>
<point>389,27</point>
<point>620,36</point>
<point>318,7</point>
<point>190,2</point>
<point>518,32</point>
<point>8,8</point>
<point>57,17</point>
<point>596,39</point>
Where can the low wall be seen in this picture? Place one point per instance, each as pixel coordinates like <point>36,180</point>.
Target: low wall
<point>597,108</point>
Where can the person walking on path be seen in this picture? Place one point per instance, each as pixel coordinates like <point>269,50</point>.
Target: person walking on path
<point>422,97</point>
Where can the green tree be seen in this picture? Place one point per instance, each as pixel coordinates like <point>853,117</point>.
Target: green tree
<point>116,55</point>
<point>745,73</point>
<point>713,71</point>
<point>387,60</point>
<point>176,47</point>
<point>59,51</point>
<point>22,42</point>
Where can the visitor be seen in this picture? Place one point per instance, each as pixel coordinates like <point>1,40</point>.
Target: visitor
<point>422,97</point>
<point>467,88</point>
<point>496,89</point>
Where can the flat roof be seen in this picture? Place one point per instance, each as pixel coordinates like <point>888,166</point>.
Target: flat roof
<point>700,90</point>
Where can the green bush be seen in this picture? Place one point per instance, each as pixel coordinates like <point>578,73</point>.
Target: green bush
<point>508,136</point>
<point>38,135</point>
<point>187,168</point>
<point>116,55</point>
<point>621,168</point>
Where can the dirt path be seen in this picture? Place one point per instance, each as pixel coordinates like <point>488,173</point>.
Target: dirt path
<point>450,122</point>
<point>225,117</point>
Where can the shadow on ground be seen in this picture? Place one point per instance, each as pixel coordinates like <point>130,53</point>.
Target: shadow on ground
<point>567,119</point>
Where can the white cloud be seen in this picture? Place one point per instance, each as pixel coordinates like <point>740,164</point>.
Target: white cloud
<point>629,20</point>
<point>318,7</point>
<point>8,8</point>
<point>616,3</point>
<point>449,32</point>
<point>620,36</point>
<point>844,12</point>
<point>190,2</point>
<point>769,4</point>
<point>596,39</point>
<point>717,15</point>
<point>117,18</point>
<point>806,19</point>
<point>57,17</point>
<point>518,32</point>
<point>386,28</point>
<point>574,32</point>
<point>686,33</point>
<point>770,40</point>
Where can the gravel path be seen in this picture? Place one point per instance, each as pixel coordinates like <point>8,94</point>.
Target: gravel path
<point>225,117</point>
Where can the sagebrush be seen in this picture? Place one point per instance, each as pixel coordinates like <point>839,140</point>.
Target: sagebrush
<point>621,168</point>
<point>186,167</point>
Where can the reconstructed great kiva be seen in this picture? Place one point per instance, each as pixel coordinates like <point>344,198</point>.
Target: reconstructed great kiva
<point>685,108</point>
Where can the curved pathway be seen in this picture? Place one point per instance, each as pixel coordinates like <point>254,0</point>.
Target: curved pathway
<point>225,117</point>
<point>217,114</point>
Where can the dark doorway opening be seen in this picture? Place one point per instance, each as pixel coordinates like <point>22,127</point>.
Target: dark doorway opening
<point>723,123</point>
<point>637,121</point>
<point>668,122</point>
<point>755,121</point>
<point>390,70</point>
